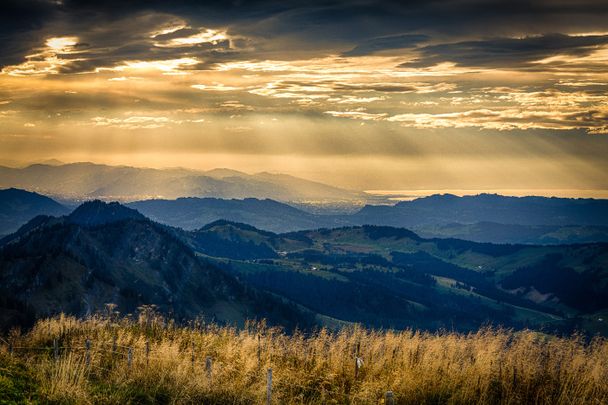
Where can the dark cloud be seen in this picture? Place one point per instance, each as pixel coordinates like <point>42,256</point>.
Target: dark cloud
<point>386,43</point>
<point>116,40</point>
<point>20,22</point>
<point>507,52</point>
<point>322,26</point>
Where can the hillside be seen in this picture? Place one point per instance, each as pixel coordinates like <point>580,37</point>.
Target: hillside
<point>19,206</point>
<point>107,253</point>
<point>389,277</point>
<point>492,232</point>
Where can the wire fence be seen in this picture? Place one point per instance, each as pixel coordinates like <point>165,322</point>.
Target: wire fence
<point>135,356</point>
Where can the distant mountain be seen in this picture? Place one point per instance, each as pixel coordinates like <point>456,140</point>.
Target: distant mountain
<point>83,181</point>
<point>531,220</point>
<point>193,213</point>
<point>106,253</point>
<point>482,218</point>
<point>19,206</point>
<point>447,209</point>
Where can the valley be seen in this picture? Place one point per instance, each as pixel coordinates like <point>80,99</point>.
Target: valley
<point>378,276</point>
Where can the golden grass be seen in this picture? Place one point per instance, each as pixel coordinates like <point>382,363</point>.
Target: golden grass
<point>488,367</point>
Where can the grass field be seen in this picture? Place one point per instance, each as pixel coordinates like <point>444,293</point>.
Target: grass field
<point>208,364</point>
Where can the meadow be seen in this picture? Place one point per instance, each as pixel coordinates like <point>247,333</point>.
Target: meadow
<point>107,360</point>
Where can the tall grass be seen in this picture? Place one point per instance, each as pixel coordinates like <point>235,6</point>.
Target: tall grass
<point>488,367</point>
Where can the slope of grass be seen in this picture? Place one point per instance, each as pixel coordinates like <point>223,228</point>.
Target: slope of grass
<point>487,367</point>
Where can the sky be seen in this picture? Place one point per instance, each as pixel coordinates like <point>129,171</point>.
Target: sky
<point>458,94</point>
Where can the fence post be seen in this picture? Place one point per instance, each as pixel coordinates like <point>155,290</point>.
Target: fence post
<point>208,365</point>
<point>87,345</point>
<point>55,349</point>
<point>147,352</point>
<point>10,347</point>
<point>269,387</point>
<point>389,399</point>
<point>130,357</point>
<point>259,351</point>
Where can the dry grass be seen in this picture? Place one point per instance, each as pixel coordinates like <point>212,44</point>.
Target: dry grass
<point>487,367</point>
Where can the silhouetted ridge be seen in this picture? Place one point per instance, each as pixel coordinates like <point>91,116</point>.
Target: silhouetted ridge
<point>237,225</point>
<point>99,213</point>
<point>377,232</point>
<point>448,209</point>
<point>194,213</point>
<point>19,206</point>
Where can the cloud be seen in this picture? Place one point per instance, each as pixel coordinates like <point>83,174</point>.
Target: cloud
<point>594,121</point>
<point>294,26</point>
<point>135,122</point>
<point>285,89</point>
<point>355,100</point>
<point>374,45</point>
<point>357,115</point>
<point>169,67</point>
<point>190,37</point>
<point>396,87</point>
<point>117,42</point>
<point>49,59</point>
<point>215,87</point>
<point>507,53</point>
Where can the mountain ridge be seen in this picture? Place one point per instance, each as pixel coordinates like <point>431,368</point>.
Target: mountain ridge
<point>19,206</point>
<point>545,220</point>
<point>85,180</point>
<point>76,265</point>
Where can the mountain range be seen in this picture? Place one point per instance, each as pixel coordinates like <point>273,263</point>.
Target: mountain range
<point>193,213</point>
<point>447,208</point>
<point>107,253</point>
<point>86,181</point>
<point>375,275</point>
<point>481,218</point>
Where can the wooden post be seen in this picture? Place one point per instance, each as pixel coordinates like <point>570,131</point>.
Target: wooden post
<point>87,359</point>
<point>208,365</point>
<point>10,347</point>
<point>389,398</point>
<point>55,349</point>
<point>147,352</point>
<point>130,357</point>
<point>269,387</point>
